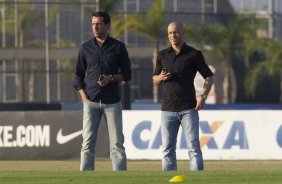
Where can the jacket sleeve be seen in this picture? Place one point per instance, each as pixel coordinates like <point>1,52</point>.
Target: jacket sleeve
<point>80,71</point>
<point>124,63</point>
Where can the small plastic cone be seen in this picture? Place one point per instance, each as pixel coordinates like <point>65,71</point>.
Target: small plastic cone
<point>177,179</point>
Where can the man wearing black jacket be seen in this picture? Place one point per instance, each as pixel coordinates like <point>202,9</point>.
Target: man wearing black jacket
<point>101,65</point>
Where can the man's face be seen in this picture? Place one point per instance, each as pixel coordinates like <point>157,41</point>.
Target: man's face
<point>175,34</point>
<point>99,28</point>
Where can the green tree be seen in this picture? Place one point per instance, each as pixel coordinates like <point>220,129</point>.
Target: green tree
<point>270,63</point>
<point>223,43</point>
<point>151,25</point>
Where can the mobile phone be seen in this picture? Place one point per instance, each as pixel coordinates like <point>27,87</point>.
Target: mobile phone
<point>164,70</point>
<point>101,77</point>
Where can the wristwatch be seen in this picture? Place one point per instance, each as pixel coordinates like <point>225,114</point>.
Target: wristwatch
<point>205,97</point>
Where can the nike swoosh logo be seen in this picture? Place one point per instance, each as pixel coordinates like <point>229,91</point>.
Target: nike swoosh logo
<point>62,139</point>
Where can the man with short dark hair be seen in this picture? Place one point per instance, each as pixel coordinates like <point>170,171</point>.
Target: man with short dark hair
<point>101,65</point>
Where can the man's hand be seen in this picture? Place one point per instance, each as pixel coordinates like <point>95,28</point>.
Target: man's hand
<point>106,79</point>
<point>200,103</point>
<point>163,76</point>
<point>83,95</point>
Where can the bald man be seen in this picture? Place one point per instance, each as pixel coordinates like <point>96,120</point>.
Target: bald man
<point>176,68</point>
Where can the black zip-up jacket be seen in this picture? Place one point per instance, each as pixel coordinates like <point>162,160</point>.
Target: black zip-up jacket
<point>93,61</point>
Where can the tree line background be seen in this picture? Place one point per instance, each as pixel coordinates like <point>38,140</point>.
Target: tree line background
<point>248,63</point>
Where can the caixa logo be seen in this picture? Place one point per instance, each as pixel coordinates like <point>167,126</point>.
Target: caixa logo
<point>236,136</point>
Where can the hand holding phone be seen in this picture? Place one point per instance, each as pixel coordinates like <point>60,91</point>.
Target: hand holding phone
<point>165,70</point>
<point>165,74</point>
<point>101,77</point>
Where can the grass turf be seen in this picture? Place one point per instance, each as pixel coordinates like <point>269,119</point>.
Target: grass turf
<point>139,172</point>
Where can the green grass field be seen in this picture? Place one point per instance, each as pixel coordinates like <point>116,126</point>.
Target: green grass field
<point>139,172</point>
